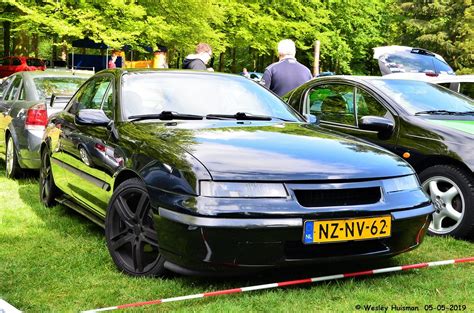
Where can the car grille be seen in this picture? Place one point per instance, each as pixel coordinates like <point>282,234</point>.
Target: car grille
<point>338,197</point>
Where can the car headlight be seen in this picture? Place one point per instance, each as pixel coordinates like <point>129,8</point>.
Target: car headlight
<point>242,190</point>
<point>401,184</point>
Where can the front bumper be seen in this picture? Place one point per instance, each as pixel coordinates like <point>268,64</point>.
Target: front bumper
<point>193,244</point>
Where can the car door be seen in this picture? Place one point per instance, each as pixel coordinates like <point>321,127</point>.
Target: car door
<point>12,88</point>
<point>84,147</point>
<point>341,106</point>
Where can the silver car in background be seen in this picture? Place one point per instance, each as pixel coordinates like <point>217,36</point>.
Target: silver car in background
<point>25,104</point>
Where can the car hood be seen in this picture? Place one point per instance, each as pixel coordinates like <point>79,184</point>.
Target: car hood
<point>280,151</point>
<point>464,126</point>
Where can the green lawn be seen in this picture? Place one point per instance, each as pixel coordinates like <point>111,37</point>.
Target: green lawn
<point>54,260</point>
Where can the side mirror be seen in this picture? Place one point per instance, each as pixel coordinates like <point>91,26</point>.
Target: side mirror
<point>91,117</point>
<point>311,118</point>
<point>53,98</point>
<point>382,125</point>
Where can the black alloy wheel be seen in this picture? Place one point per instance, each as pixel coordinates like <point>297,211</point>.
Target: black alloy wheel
<point>451,190</point>
<point>48,190</point>
<point>130,233</point>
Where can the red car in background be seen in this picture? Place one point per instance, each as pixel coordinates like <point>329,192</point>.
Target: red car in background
<point>10,65</point>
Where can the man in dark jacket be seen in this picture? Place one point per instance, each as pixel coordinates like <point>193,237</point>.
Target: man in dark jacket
<point>286,74</point>
<point>199,60</point>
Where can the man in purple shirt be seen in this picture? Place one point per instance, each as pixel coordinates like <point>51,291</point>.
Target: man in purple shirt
<point>286,74</point>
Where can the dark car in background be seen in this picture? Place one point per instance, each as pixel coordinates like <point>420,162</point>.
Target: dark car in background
<point>14,64</point>
<point>207,172</point>
<point>430,126</point>
<point>25,104</point>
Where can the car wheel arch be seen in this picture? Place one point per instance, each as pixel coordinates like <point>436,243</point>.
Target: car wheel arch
<point>125,175</point>
<point>430,161</point>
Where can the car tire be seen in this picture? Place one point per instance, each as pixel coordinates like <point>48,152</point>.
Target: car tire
<point>451,190</point>
<point>12,167</point>
<point>48,189</point>
<point>130,232</point>
<point>85,156</point>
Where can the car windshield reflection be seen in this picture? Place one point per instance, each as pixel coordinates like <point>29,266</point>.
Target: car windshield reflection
<point>153,93</point>
<point>425,98</point>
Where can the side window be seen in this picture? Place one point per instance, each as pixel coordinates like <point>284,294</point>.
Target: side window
<point>367,105</point>
<point>108,104</point>
<point>22,93</point>
<point>5,62</point>
<point>332,103</point>
<point>445,85</point>
<point>91,95</point>
<point>467,89</point>
<point>4,87</point>
<point>12,92</point>
<point>16,61</point>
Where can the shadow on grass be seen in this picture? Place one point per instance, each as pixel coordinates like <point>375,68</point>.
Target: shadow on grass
<point>28,189</point>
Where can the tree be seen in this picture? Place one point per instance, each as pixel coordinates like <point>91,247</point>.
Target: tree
<point>443,26</point>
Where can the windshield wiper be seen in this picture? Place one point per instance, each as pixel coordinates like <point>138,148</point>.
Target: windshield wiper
<point>165,116</point>
<point>434,112</point>
<point>243,116</point>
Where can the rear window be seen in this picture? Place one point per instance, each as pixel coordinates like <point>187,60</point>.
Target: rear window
<point>34,62</point>
<point>60,86</point>
<point>412,63</point>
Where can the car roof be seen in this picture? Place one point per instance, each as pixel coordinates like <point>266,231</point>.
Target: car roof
<point>121,71</point>
<point>355,78</point>
<point>62,73</point>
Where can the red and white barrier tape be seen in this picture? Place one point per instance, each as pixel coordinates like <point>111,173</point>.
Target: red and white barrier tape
<point>287,283</point>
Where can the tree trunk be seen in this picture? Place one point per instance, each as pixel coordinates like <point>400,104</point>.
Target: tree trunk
<point>234,62</point>
<point>221,61</point>
<point>6,38</point>
<point>54,51</point>
<point>34,44</point>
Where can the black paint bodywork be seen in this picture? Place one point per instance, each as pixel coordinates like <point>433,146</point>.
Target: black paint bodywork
<point>220,235</point>
<point>426,142</point>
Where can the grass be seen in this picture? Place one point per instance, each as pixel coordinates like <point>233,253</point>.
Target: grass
<point>54,260</point>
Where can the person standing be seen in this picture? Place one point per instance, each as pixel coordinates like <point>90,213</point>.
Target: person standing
<point>286,74</point>
<point>112,60</point>
<point>199,60</point>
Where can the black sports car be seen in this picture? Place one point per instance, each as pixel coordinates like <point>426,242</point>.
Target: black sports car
<point>430,126</point>
<point>209,172</point>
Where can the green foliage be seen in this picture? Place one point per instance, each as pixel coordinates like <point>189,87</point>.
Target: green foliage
<point>443,26</point>
<point>245,33</point>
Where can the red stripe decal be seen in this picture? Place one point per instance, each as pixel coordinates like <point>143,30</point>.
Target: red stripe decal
<point>295,282</point>
<point>471,259</point>
<point>412,266</point>
<point>131,305</point>
<point>359,273</point>
<point>222,292</point>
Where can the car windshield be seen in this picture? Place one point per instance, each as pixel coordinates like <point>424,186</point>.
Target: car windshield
<point>199,94</point>
<point>417,97</point>
<point>63,86</point>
